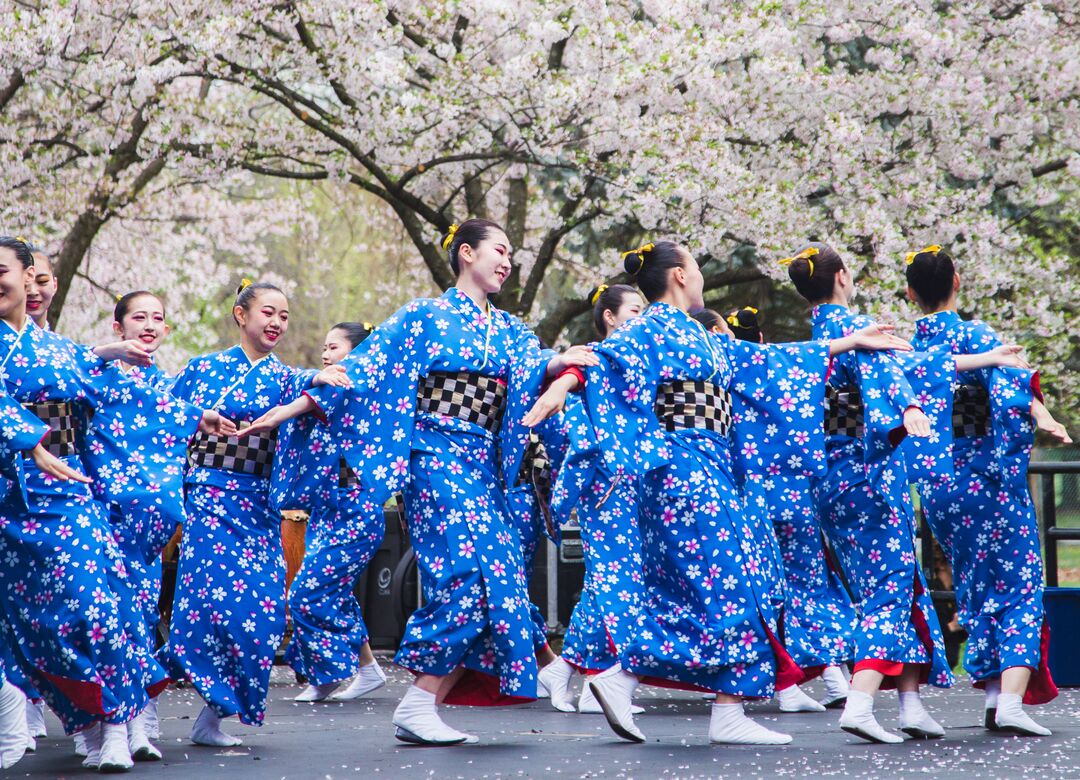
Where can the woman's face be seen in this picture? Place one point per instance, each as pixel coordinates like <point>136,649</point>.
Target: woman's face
<point>144,321</point>
<point>336,347</point>
<point>488,263</point>
<point>41,290</point>
<point>14,279</point>
<point>630,307</point>
<point>265,320</point>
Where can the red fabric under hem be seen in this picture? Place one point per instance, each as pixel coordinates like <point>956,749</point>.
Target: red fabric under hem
<point>477,689</point>
<point>788,672</point>
<point>893,669</point>
<point>318,410</point>
<point>1041,687</point>
<point>84,695</point>
<point>583,670</point>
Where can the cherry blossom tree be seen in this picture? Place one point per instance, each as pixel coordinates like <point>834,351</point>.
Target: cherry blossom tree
<point>742,129</point>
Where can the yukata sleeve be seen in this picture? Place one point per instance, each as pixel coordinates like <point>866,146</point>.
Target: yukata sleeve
<point>932,376</point>
<point>777,407</point>
<point>1011,391</point>
<point>525,382</point>
<point>574,467</point>
<point>20,432</point>
<point>372,422</point>
<point>135,440</point>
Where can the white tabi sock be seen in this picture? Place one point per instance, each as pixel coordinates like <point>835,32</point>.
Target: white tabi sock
<point>557,677</point>
<point>794,699</point>
<point>915,721</point>
<point>369,678</point>
<point>207,731</point>
<point>115,756</point>
<point>1011,717</point>
<point>417,721</point>
<point>13,731</point>
<point>858,719</point>
<point>730,726</point>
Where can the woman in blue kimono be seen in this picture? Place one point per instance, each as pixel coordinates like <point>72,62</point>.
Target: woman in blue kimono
<point>139,322</point>
<point>662,405</point>
<point>439,392</point>
<point>983,517</point>
<point>864,500</point>
<point>74,636</point>
<point>611,544</point>
<point>228,613</point>
<point>330,640</point>
<point>819,616</point>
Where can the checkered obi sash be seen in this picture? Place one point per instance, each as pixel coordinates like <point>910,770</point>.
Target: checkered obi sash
<point>971,411</point>
<point>60,417</point>
<point>346,476</point>
<point>536,472</point>
<point>844,412</point>
<point>693,404</point>
<point>471,397</point>
<point>248,455</point>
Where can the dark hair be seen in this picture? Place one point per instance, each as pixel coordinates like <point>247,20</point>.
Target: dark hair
<point>355,332</point>
<point>930,274</point>
<point>123,303</point>
<point>471,232</point>
<point>604,298</point>
<point>709,318</point>
<point>650,264</point>
<point>21,249</point>
<point>744,324</point>
<point>814,273</point>
<point>246,293</point>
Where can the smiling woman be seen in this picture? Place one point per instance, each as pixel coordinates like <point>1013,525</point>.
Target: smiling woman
<point>229,612</point>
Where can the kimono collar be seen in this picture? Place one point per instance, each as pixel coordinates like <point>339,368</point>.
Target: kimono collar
<point>238,353</point>
<point>932,324</point>
<point>666,312</point>
<point>828,311</point>
<point>466,305</point>
<point>673,315</point>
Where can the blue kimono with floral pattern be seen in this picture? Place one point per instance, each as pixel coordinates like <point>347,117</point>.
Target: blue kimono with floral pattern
<point>454,475</point>
<point>70,630</point>
<point>984,517</point>
<point>711,615</point>
<point>228,613</point>
<point>865,503</point>
<point>141,536</point>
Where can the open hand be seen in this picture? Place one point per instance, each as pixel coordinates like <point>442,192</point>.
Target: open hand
<point>213,424</point>
<point>333,375</point>
<point>916,423</point>
<point>550,403</point>
<point>878,337</point>
<point>268,422</point>
<point>133,352</point>
<point>54,467</point>
<point>1009,355</point>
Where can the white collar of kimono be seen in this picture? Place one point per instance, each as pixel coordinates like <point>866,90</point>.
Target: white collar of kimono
<point>18,339</point>
<point>460,296</point>
<point>668,311</point>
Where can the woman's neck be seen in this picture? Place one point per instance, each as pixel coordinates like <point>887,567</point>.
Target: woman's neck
<point>675,298</point>
<point>253,353</point>
<point>474,291</point>
<point>17,318</point>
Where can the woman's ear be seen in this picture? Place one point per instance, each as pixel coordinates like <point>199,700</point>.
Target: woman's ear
<point>956,282</point>
<point>911,295</point>
<point>167,330</point>
<point>240,314</point>
<point>117,328</point>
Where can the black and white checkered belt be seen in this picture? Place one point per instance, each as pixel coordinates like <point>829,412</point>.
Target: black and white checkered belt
<point>59,416</point>
<point>844,412</point>
<point>687,404</point>
<point>471,397</point>
<point>346,476</point>
<point>536,472</point>
<point>971,411</point>
<point>247,455</point>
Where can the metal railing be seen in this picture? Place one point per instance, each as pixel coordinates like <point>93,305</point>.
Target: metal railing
<point>1047,501</point>
<point>1045,498</point>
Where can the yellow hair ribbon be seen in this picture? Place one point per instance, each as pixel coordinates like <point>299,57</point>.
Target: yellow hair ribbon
<point>596,295</point>
<point>119,298</point>
<point>368,326</point>
<point>451,231</point>
<point>733,320</point>
<point>750,309</point>
<point>933,249</point>
<point>21,240</point>
<point>806,254</point>
<point>640,252</point>
<point>245,283</point>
